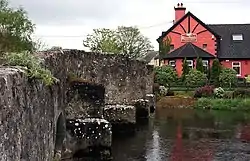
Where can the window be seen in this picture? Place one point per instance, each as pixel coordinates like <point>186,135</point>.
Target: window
<point>172,47</point>
<point>205,64</point>
<point>171,63</point>
<point>237,37</point>
<point>190,63</point>
<point>204,46</point>
<point>236,66</point>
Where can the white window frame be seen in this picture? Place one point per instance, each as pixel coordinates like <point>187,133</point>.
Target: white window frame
<point>190,63</point>
<point>205,63</point>
<point>171,61</point>
<point>238,65</point>
<point>237,37</point>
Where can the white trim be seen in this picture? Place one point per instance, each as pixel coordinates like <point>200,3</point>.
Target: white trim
<point>239,65</point>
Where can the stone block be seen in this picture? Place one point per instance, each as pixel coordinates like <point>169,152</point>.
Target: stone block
<point>87,135</point>
<point>116,114</point>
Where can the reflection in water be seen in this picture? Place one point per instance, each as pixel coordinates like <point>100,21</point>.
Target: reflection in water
<point>187,135</point>
<point>154,149</point>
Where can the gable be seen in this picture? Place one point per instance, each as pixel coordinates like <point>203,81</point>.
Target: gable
<point>188,24</point>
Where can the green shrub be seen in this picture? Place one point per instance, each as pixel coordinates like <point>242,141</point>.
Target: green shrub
<point>165,75</point>
<point>185,70</point>
<point>219,92</point>
<point>199,65</point>
<point>195,78</point>
<point>241,93</point>
<point>248,79</point>
<point>32,64</point>
<point>228,77</point>
<point>215,72</point>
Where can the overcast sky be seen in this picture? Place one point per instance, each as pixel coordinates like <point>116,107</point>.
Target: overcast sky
<point>67,22</point>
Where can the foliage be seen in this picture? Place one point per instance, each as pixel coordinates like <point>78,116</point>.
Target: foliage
<point>32,65</point>
<point>199,65</point>
<point>205,91</point>
<point>219,92</point>
<point>164,47</point>
<point>123,40</point>
<point>165,75</point>
<point>228,77</point>
<point>195,77</point>
<point>241,93</point>
<point>16,29</point>
<point>215,72</point>
<point>248,79</point>
<point>223,104</point>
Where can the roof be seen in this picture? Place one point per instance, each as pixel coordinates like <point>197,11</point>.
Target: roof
<point>230,48</point>
<point>150,55</point>
<point>181,19</point>
<point>188,50</point>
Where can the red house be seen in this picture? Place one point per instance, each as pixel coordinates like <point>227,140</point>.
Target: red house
<point>191,38</point>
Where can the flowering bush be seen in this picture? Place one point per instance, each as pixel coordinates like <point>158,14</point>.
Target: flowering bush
<point>219,92</point>
<point>205,91</point>
<point>163,91</point>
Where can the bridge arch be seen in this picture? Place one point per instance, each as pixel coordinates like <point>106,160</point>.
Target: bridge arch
<point>60,133</point>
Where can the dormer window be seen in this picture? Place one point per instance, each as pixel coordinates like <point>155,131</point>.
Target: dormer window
<point>237,37</point>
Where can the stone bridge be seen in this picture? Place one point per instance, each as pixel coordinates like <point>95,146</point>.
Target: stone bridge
<point>32,120</point>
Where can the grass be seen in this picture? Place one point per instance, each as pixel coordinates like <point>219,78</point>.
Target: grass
<point>32,65</point>
<point>223,104</point>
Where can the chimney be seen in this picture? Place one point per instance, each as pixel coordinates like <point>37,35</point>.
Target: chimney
<point>179,11</point>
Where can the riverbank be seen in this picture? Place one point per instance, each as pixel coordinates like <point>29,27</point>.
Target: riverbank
<point>223,104</point>
<point>204,103</point>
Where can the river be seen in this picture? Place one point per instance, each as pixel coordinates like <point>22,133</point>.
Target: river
<point>187,135</point>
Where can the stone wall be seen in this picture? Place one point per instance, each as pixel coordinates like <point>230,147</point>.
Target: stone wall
<point>124,79</point>
<point>28,118</point>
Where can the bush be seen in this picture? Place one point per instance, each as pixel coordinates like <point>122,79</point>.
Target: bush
<point>199,65</point>
<point>32,64</point>
<point>206,91</point>
<point>165,75</point>
<point>248,79</point>
<point>185,70</point>
<point>215,72</point>
<point>195,78</point>
<point>228,77</point>
<point>219,92</point>
<point>241,93</point>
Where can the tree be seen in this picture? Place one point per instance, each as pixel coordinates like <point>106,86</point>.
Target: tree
<point>165,75</point>
<point>15,29</point>
<point>164,48</point>
<point>228,77</point>
<point>195,77</point>
<point>123,40</point>
<point>215,72</point>
<point>199,65</point>
<point>185,69</point>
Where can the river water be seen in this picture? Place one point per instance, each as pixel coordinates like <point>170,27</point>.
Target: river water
<point>187,135</point>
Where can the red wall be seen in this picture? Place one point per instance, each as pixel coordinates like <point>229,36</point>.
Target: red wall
<point>202,38</point>
<point>245,66</point>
